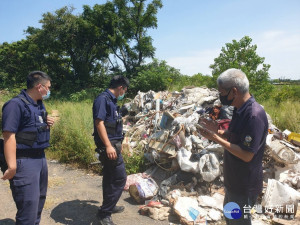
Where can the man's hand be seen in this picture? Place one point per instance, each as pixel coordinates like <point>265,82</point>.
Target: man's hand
<point>50,121</point>
<point>9,173</point>
<point>210,125</point>
<point>210,135</point>
<point>10,154</point>
<point>111,153</point>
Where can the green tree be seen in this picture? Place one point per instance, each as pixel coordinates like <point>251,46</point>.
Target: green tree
<point>201,80</point>
<point>74,44</point>
<point>16,60</point>
<point>156,76</point>
<point>242,55</point>
<point>125,23</point>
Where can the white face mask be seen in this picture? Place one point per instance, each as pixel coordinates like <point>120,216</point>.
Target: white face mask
<point>44,97</point>
<point>120,97</point>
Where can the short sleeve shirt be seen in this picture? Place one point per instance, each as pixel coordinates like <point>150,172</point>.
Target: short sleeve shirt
<point>248,129</point>
<point>106,109</point>
<point>16,116</point>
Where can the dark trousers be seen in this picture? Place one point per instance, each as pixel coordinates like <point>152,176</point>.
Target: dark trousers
<point>29,188</point>
<point>244,201</point>
<point>113,183</point>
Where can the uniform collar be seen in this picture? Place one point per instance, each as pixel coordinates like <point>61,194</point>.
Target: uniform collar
<point>112,96</point>
<point>29,99</point>
<point>245,105</point>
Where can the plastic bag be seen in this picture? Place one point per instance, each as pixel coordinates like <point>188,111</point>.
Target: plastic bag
<point>144,189</point>
<point>209,167</point>
<point>183,158</point>
<point>134,178</point>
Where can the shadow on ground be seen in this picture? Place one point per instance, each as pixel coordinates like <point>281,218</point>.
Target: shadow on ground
<point>131,201</point>
<point>7,222</point>
<point>76,212</point>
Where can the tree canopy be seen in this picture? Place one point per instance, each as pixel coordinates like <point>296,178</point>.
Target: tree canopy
<point>242,55</point>
<point>84,49</point>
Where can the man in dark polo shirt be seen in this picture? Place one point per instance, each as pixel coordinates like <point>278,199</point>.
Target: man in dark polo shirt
<point>244,144</point>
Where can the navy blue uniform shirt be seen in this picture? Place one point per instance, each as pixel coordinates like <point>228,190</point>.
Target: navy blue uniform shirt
<point>248,129</point>
<point>106,109</point>
<point>16,116</point>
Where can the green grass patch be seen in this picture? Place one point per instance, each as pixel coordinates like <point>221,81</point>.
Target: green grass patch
<point>135,162</point>
<point>285,115</point>
<point>71,137</point>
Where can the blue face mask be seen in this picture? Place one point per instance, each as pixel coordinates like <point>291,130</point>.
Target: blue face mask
<point>121,97</point>
<point>46,96</point>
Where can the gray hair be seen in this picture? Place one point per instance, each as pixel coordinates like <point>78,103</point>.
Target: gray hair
<point>234,78</point>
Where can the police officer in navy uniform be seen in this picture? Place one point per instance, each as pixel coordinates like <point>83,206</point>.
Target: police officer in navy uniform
<point>108,138</point>
<point>26,133</point>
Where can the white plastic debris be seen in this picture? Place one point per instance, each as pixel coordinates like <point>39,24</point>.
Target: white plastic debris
<point>197,141</point>
<point>188,143</point>
<point>279,194</point>
<point>215,148</point>
<point>215,214</point>
<point>281,153</point>
<point>216,201</point>
<point>183,157</point>
<point>209,167</point>
<point>183,206</point>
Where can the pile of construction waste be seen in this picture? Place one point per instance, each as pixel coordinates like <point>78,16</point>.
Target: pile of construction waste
<point>185,175</point>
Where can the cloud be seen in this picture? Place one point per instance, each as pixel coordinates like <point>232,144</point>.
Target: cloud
<point>194,62</point>
<point>280,48</point>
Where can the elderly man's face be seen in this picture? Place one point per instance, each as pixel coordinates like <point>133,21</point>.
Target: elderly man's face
<point>226,97</point>
<point>223,92</point>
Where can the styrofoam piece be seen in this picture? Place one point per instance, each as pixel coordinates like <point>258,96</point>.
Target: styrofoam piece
<point>279,194</point>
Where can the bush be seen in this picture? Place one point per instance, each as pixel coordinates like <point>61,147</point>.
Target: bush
<point>156,76</point>
<point>86,94</point>
<point>71,137</point>
<point>135,162</point>
<point>282,93</point>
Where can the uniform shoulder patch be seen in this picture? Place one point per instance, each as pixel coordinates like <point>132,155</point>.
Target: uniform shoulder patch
<point>247,141</point>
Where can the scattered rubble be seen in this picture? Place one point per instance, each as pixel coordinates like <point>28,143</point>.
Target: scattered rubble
<point>185,169</point>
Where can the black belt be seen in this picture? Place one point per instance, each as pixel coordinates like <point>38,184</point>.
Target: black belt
<point>113,142</point>
<point>30,153</point>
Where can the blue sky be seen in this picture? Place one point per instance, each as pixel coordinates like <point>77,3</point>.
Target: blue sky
<point>191,33</point>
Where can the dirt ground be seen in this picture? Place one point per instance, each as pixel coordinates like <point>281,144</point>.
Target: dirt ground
<point>73,198</point>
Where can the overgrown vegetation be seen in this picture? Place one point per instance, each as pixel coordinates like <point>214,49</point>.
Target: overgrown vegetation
<point>71,137</point>
<point>284,107</point>
<point>135,162</point>
<point>285,115</point>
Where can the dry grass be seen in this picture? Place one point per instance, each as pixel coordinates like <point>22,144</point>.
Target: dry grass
<point>55,182</point>
<point>50,202</point>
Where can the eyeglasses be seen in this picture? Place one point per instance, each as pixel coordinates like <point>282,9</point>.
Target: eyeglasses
<point>222,94</point>
<point>46,88</point>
